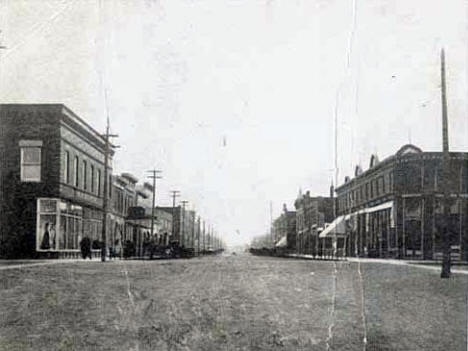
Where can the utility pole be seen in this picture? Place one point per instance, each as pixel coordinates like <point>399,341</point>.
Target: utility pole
<point>105,204</point>
<point>445,273</point>
<point>198,235</point>
<point>204,247</point>
<point>154,175</point>
<point>193,230</point>
<point>271,225</point>
<point>182,231</point>
<point>175,194</point>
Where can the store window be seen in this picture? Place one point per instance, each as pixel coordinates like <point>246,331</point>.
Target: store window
<point>59,225</point>
<point>30,160</point>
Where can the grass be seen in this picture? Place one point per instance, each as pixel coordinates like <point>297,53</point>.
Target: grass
<point>230,303</point>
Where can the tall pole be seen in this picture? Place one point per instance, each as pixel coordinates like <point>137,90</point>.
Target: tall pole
<point>175,194</point>
<point>193,230</point>
<point>198,235</point>
<point>445,273</point>
<point>271,224</point>
<point>154,175</point>
<point>182,231</point>
<point>204,247</point>
<point>105,205</point>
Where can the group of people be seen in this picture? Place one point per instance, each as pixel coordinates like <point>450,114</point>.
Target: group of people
<point>86,249</point>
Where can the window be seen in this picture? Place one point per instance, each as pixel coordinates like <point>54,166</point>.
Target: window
<point>30,160</point>
<point>76,172</point>
<point>109,186</point>
<point>98,181</point>
<point>92,179</point>
<point>66,168</point>
<point>85,175</point>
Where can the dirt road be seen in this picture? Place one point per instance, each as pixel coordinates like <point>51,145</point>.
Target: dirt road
<point>230,303</point>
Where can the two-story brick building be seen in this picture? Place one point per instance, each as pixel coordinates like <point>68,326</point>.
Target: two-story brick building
<point>312,212</point>
<point>51,180</point>
<point>394,208</point>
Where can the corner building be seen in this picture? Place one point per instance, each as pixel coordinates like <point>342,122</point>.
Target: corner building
<point>51,181</point>
<point>394,209</point>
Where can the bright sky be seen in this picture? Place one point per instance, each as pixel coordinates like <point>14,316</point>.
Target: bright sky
<point>235,100</point>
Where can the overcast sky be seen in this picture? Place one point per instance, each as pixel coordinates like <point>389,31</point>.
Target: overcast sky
<point>235,100</point>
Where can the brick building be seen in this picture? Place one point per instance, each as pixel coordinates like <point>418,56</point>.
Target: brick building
<point>51,180</point>
<point>312,212</point>
<point>176,213</point>
<point>394,209</point>
<point>284,229</point>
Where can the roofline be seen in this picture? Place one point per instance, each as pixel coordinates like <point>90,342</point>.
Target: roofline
<point>394,157</point>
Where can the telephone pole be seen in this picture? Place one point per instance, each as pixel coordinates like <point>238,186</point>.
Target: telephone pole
<point>204,247</point>
<point>198,235</point>
<point>182,231</point>
<point>174,194</point>
<point>445,273</point>
<point>193,230</point>
<point>154,175</point>
<point>105,209</point>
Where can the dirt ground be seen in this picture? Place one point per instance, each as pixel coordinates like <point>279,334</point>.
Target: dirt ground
<point>238,302</point>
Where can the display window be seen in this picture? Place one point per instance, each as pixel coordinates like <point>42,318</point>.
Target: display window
<point>59,225</point>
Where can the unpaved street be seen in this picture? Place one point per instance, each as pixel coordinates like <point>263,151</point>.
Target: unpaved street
<point>237,302</point>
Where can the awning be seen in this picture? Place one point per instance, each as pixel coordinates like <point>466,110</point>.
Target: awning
<point>337,227</point>
<point>283,242</point>
<point>380,207</point>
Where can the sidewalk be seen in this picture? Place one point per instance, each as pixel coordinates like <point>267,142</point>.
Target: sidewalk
<point>15,264</point>
<point>430,265</point>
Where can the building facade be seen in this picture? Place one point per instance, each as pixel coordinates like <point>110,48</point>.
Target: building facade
<point>312,213</point>
<point>395,208</point>
<point>51,180</point>
<point>284,229</point>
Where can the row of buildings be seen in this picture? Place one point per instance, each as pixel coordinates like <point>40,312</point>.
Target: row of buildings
<point>52,191</point>
<point>394,208</point>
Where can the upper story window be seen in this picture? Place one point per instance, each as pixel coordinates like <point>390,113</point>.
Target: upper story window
<point>98,181</point>
<point>85,175</point>
<point>66,169</point>
<point>30,160</point>
<point>76,167</point>
<point>92,179</point>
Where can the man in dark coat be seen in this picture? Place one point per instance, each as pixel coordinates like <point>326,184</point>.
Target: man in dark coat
<point>85,246</point>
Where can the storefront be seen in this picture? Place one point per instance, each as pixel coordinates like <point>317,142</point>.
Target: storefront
<point>61,225</point>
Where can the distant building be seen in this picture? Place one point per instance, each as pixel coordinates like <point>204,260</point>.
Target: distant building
<point>394,209</point>
<point>124,196</point>
<point>312,213</point>
<point>176,213</point>
<point>51,180</point>
<point>188,229</point>
<point>284,229</point>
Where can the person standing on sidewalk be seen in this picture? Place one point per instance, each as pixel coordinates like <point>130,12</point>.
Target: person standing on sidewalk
<point>85,246</point>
